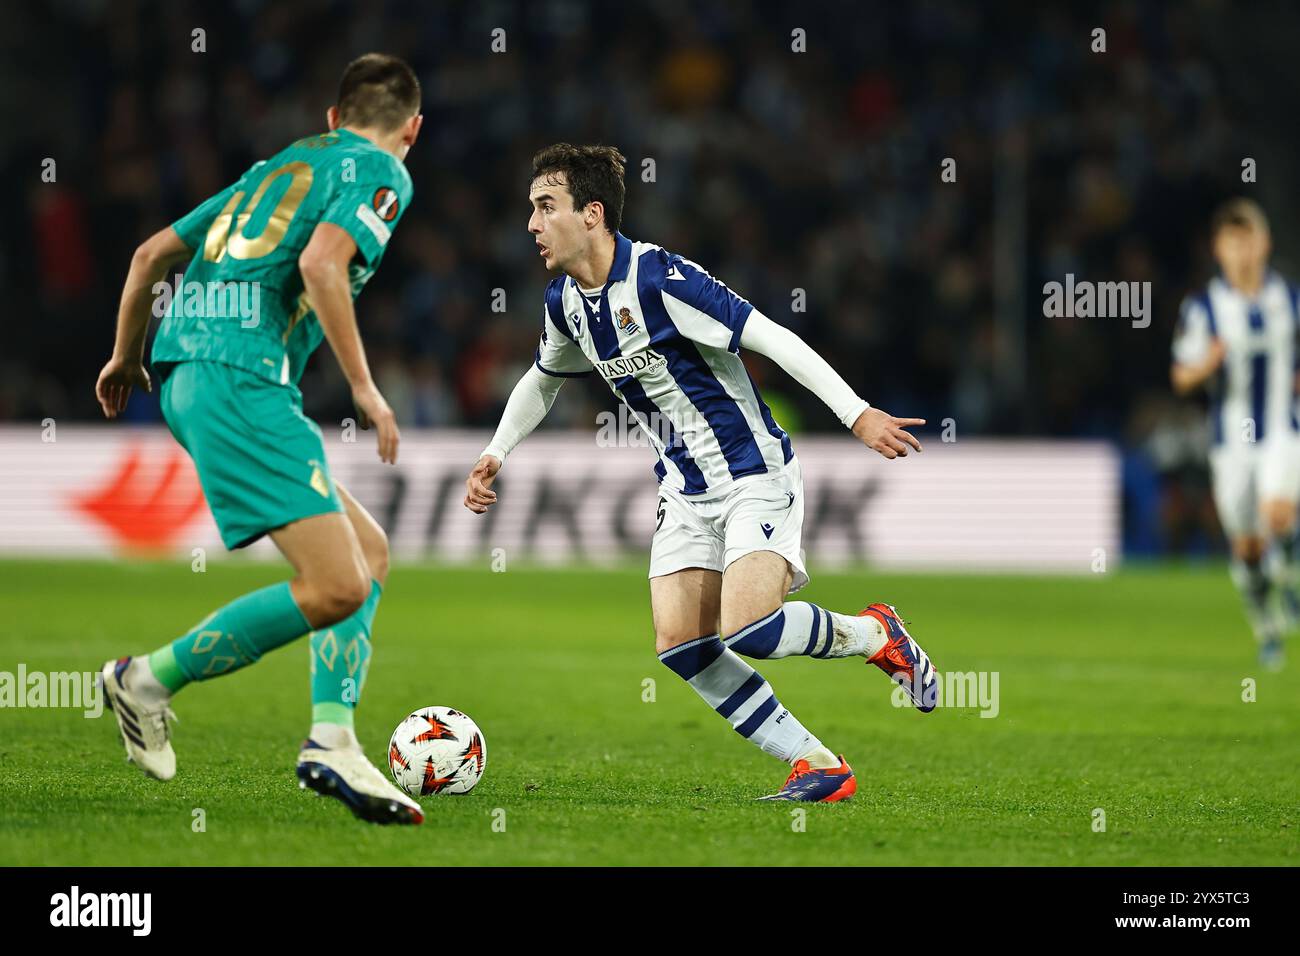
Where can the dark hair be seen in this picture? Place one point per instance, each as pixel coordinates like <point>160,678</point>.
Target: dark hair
<point>592,173</point>
<point>1240,212</point>
<point>378,90</point>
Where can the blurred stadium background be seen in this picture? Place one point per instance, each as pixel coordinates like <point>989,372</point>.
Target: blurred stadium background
<point>777,170</point>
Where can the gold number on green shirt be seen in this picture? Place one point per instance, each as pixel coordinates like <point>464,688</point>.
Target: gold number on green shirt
<point>221,239</point>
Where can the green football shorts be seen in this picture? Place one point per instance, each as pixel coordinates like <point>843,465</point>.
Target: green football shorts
<point>260,460</point>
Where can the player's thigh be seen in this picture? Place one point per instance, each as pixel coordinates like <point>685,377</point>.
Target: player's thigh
<point>685,606</point>
<point>1279,488</point>
<point>373,539</point>
<point>1233,481</point>
<point>753,587</point>
<point>685,570</point>
<point>763,558</point>
<point>332,580</point>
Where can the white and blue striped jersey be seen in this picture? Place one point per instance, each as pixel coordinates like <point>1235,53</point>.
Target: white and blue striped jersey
<point>1253,396</point>
<point>665,336</point>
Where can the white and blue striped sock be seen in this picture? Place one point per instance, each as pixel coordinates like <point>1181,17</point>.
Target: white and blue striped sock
<point>740,694</point>
<point>1255,588</point>
<point>798,627</point>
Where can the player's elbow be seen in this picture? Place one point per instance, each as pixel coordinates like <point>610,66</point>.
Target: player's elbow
<point>314,268</point>
<point>1179,380</point>
<point>153,252</point>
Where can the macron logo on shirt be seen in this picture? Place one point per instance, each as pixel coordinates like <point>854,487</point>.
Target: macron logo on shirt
<point>674,274</point>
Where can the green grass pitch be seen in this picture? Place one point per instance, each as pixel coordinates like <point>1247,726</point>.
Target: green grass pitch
<point>1119,692</point>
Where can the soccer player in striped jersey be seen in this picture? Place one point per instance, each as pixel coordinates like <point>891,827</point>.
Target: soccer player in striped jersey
<point>665,335</point>
<point>303,232</point>
<point>1237,337</point>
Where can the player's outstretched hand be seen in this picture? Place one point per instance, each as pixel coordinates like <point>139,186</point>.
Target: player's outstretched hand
<point>373,410</point>
<point>882,432</point>
<point>478,486</point>
<point>115,383</point>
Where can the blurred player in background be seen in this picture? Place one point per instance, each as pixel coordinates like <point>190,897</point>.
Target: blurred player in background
<point>666,336</point>
<point>1237,337</point>
<point>304,230</point>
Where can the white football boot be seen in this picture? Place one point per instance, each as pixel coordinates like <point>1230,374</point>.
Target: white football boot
<point>346,775</point>
<point>144,725</point>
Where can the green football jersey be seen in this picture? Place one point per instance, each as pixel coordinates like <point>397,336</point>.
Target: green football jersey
<point>242,300</point>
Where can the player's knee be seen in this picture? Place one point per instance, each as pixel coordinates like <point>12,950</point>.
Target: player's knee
<point>667,640</point>
<point>736,619</point>
<point>1281,519</point>
<point>1248,548</point>
<point>338,598</point>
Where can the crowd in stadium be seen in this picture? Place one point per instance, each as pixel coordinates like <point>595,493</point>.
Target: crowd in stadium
<point>803,167</point>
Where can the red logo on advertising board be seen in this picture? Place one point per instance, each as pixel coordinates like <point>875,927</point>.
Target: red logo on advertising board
<point>147,502</point>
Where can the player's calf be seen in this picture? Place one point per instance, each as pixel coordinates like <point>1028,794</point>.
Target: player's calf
<point>803,628</point>
<point>741,696</point>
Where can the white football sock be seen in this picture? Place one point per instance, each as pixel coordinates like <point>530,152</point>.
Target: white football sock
<point>1255,588</point>
<point>798,627</point>
<point>820,758</point>
<point>141,681</point>
<point>741,695</point>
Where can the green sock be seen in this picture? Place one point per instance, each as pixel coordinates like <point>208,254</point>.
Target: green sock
<point>340,657</point>
<point>230,637</point>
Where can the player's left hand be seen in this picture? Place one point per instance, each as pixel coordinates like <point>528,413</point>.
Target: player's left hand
<point>374,411</point>
<point>116,381</point>
<point>882,432</point>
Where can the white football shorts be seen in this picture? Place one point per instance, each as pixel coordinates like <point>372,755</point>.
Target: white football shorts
<point>1245,478</point>
<point>763,514</point>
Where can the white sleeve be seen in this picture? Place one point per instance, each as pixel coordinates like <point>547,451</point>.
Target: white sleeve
<point>805,366</point>
<point>557,353</point>
<point>528,404</point>
<point>1192,336</point>
<point>701,307</point>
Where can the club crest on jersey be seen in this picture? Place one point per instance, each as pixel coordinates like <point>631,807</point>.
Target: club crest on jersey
<point>626,323</point>
<point>644,362</point>
<point>385,203</point>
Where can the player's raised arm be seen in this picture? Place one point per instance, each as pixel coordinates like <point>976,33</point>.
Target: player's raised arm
<point>707,311</point>
<point>125,369</point>
<point>875,428</point>
<point>324,267</point>
<point>529,402</point>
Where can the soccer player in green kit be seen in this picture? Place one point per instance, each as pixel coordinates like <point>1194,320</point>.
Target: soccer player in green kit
<point>298,235</point>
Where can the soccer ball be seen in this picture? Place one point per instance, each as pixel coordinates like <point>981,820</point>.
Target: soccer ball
<point>437,750</point>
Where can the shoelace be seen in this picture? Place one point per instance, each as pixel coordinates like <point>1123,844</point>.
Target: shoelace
<point>801,769</point>
<point>161,719</point>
